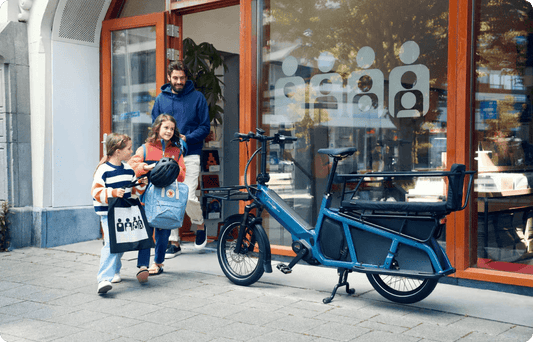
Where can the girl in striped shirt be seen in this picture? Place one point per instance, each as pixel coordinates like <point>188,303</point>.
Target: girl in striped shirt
<point>112,179</point>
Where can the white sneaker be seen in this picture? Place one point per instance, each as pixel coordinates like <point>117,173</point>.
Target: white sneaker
<point>116,278</point>
<point>104,286</point>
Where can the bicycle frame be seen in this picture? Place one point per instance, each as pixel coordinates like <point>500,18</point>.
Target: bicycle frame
<point>301,231</point>
<point>397,239</point>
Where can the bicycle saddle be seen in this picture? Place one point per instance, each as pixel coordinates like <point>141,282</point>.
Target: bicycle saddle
<point>342,152</point>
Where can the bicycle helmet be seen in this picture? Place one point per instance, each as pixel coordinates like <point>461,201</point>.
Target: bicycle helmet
<point>165,172</point>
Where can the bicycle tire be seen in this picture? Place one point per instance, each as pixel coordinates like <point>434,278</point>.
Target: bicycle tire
<point>402,289</point>
<point>246,267</point>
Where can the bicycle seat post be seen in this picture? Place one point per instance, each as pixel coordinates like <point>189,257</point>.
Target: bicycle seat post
<point>331,175</point>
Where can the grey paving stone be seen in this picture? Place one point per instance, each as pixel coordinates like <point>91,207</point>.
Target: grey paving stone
<point>21,292</point>
<point>170,316</point>
<point>518,333</point>
<point>49,312</point>
<point>338,332</point>
<point>5,301</point>
<point>378,336</point>
<point>185,335</point>
<point>78,318</point>
<point>204,323</point>
<point>480,337</point>
<point>144,331</point>
<point>88,336</point>
<point>38,330</point>
<point>284,336</point>
<point>186,301</point>
<point>297,324</point>
<point>135,310</point>
<point>234,296</point>
<point>438,332</point>
<point>239,330</point>
<point>435,317</point>
<point>20,308</point>
<point>256,316</point>
<point>74,299</point>
<point>375,326</point>
<point>483,326</point>
<point>111,323</point>
<point>219,309</point>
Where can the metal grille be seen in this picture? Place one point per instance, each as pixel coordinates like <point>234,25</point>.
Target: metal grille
<point>80,20</point>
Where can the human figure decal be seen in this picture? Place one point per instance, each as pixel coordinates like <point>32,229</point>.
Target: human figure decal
<point>287,87</point>
<point>326,87</point>
<point>409,85</point>
<point>366,87</point>
<point>364,92</point>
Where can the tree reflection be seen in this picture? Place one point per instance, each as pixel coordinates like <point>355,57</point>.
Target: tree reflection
<point>343,27</point>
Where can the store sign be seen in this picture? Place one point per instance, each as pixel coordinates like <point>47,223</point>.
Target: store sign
<point>365,89</point>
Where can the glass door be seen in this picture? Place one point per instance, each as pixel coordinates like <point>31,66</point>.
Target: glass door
<point>133,70</point>
<point>133,67</point>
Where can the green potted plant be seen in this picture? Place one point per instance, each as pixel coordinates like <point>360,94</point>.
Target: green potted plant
<point>202,60</point>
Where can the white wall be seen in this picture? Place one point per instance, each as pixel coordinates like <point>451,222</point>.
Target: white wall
<point>219,27</point>
<point>76,122</point>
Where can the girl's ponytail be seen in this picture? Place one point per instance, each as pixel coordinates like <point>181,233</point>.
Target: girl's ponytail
<point>114,142</point>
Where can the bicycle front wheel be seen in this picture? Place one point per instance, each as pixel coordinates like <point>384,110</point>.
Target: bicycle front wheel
<point>402,289</point>
<point>243,266</point>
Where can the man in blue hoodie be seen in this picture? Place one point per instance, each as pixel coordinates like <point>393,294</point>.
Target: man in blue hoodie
<point>189,107</point>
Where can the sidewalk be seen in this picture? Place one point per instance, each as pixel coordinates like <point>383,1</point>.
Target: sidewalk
<point>50,295</point>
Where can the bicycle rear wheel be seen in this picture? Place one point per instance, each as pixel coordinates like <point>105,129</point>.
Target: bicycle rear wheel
<point>244,267</point>
<point>402,289</point>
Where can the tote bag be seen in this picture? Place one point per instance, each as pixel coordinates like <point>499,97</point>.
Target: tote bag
<point>128,227</point>
<point>165,207</point>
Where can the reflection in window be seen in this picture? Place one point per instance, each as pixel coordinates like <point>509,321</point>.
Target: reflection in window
<point>369,74</point>
<point>134,85</point>
<point>504,132</point>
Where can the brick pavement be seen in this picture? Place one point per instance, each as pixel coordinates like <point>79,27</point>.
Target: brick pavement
<point>50,295</point>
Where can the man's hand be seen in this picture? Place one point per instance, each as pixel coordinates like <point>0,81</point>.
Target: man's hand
<point>184,138</point>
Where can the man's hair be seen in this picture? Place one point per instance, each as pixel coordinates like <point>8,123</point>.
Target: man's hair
<point>179,66</point>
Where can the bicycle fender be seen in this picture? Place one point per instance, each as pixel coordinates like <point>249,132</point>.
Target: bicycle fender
<point>261,234</point>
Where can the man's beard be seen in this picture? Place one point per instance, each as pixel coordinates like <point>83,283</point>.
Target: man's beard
<point>176,90</point>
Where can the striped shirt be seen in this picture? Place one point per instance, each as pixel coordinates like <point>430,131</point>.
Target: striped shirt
<point>108,178</point>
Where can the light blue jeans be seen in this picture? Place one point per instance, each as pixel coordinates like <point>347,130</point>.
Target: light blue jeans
<point>110,263</point>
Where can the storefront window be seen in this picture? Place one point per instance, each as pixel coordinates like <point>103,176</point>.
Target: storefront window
<point>368,74</point>
<point>134,81</point>
<point>504,133</point>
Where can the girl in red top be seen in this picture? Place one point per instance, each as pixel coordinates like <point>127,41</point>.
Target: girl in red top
<point>163,141</point>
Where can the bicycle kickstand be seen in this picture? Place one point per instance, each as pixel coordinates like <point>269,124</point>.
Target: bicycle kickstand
<point>343,281</point>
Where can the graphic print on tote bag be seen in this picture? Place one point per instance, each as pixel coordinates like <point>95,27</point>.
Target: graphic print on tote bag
<point>133,231</point>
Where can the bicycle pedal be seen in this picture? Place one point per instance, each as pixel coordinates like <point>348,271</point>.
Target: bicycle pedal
<point>284,268</point>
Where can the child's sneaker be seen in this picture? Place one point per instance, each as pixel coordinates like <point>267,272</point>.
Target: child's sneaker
<point>104,286</point>
<point>201,239</point>
<point>116,279</point>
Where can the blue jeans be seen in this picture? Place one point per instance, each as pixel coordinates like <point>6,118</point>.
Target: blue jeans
<point>161,242</point>
<point>110,263</point>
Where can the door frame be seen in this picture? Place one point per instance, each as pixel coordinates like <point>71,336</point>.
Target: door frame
<point>106,91</point>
